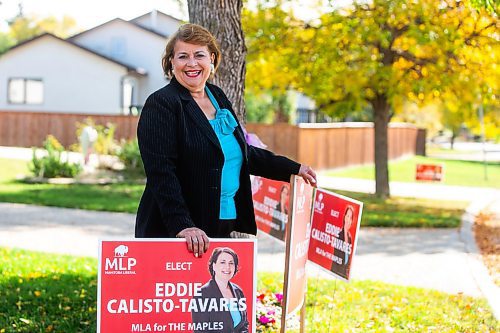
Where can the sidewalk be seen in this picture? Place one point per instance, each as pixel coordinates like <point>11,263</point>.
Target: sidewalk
<point>428,258</point>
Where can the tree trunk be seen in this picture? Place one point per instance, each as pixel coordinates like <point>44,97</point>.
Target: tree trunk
<point>381,121</point>
<point>223,19</point>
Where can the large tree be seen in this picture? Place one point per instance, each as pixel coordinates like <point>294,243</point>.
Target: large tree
<point>223,19</point>
<point>386,52</point>
<point>378,56</point>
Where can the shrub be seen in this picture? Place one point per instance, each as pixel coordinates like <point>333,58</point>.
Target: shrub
<point>105,143</point>
<point>131,157</point>
<point>52,165</point>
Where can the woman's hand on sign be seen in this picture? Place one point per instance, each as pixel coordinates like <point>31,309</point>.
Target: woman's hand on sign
<point>308,174</point>
<point>197,240</point>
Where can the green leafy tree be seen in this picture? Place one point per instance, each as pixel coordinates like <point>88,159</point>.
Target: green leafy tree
<point>5,42</point>
<point>265,107</point>
<point>387,52</point>
<point>25,27</point>
<point>266,29</point>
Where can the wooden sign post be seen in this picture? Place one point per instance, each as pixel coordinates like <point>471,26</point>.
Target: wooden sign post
<point>297,245</point>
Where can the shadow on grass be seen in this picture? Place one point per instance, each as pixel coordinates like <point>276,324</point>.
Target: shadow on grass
<point>49,303</point>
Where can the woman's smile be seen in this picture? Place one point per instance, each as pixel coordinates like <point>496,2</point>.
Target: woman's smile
<point>192,73</point>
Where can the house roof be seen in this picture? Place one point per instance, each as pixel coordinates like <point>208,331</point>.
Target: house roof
<point>158,12</point>
<point>118,20</point>
<point>130,68</point>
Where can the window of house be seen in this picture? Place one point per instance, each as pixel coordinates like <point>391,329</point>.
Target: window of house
<point>25,91</point>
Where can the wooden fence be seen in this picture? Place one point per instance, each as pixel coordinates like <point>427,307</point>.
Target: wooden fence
<point>29,129</point>
<point>326,146</point>
<point>322,146</point>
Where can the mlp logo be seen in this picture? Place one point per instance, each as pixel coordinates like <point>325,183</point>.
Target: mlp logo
<point>301,199</point>
<point>319,204</point>
<point>120,264</point>
<point>256,184</point>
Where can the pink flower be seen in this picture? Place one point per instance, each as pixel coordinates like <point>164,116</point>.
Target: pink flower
<point>279,296</point>
<point>264,320</point>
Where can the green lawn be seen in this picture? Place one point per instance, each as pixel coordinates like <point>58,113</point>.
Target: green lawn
<point>462,173</point>
<point>393,212</point>
<point>47,293</point>
<point>116,197</point>
<point>113,198</point>
<point>369,306</point>
<point>42,292</point>
<point>10,169</point>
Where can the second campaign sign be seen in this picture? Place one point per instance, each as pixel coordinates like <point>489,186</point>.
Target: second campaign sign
<point>156,285</point>
<point>270,201</point>
<point>335,227</point>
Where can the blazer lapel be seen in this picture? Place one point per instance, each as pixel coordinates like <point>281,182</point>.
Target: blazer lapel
<point>199,118</point>
<point>195,113</point>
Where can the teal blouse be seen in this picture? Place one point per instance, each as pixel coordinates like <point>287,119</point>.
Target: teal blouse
<point>224,125</point>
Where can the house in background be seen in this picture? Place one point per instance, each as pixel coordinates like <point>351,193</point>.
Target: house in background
<point>107,70</point>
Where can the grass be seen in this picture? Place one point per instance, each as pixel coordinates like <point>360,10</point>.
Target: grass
<point>115,198</point>
<point>10,169</point>
<point>46,293</point>
<point>42,292</point>
<point>369,306</point>
<point>393,212</point>
<point>461,173</point>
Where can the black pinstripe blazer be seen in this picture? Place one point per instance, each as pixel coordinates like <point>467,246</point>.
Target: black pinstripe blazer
<point>183,161</point>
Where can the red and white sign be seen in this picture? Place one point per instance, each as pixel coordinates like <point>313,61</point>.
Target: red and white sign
<point>156,285</point>
<point>295,283</point>
<point>335,227</point>
<point>270,202</point>
<point>430,172</point>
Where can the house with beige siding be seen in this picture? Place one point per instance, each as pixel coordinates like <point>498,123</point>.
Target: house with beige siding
<point>107,70</point>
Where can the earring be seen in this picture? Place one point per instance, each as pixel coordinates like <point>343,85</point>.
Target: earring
<point>212,69</point>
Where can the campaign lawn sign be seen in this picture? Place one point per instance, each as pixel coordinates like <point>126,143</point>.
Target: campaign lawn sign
<point>156,285</point>
<point>429,172</point>
<point>297,244</point>
<point>270,202</point>
<point>335,226</point>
